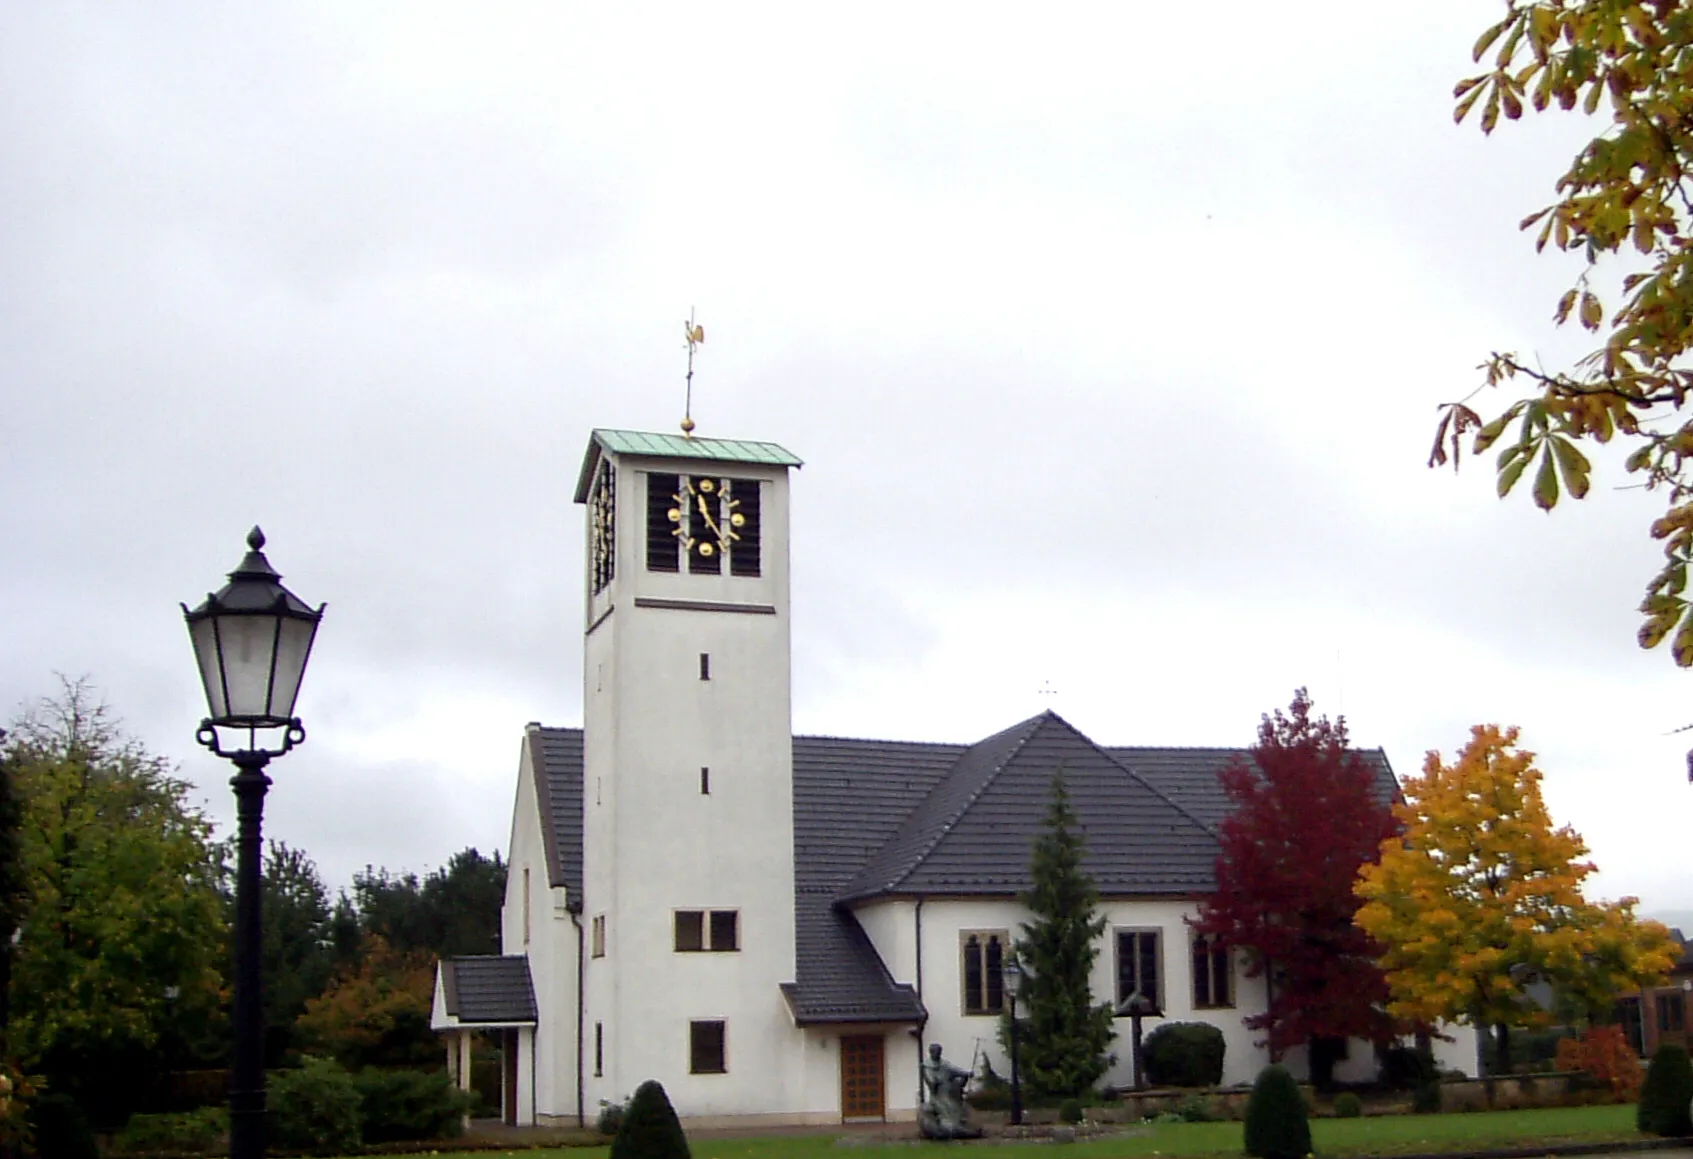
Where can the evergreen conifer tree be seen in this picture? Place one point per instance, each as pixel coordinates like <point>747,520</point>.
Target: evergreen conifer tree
<point>1664,1096</point>
<point>650,1129</point>
<point>1063,1033</point>
<point>1276,1123</point>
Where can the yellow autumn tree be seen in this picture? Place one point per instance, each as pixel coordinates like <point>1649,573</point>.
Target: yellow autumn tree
<point>1480,896</point>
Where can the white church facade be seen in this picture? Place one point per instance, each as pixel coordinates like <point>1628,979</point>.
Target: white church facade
<point>775,927</point>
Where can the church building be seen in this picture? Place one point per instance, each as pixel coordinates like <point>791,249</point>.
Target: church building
<point>776,926</point>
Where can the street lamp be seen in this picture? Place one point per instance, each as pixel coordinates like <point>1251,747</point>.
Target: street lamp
<point>252,640</point>
<point>1012,974</point>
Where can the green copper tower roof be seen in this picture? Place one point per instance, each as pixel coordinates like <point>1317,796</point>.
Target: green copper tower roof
<point>678,447</point>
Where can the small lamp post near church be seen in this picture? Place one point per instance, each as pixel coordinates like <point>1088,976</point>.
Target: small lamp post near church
<point>252,640</point>
<point>1012,973</point>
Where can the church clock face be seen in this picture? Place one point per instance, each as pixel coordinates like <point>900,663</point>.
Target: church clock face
<point>603,513</point>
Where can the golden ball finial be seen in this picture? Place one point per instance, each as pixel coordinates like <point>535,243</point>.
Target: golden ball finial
<point>687,427</point>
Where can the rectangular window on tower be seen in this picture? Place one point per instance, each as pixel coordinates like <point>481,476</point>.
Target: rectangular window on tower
<point>705,1047</point>
<point>597,949</point>
<point>599,1050</point>
<point>1137,966</point>
<point>663,546</point>
<point>708,931</point>
<point>982,963</point>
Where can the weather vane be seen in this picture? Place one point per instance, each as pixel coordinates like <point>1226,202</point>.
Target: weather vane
<point>695,334</point>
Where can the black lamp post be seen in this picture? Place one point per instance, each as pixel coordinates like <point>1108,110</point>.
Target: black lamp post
<point>1012,974</point>
<point>252,640</point>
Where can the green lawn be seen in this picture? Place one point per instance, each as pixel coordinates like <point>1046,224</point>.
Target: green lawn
<point>1388,1135</point>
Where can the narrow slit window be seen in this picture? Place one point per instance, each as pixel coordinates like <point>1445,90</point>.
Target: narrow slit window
<point>705,781</point>
<point>599,1049</point>
<point>705,665</point>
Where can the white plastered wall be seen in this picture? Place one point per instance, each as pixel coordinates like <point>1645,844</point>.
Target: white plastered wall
<point>891,925</point>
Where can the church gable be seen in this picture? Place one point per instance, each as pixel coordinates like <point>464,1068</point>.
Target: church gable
<point>972,834</point>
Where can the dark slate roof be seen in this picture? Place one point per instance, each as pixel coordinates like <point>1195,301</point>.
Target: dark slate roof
<point>971,834</point>
<point>849,798</point>
<point>900,818</point>
<point>555,756</point>
<point>1188,776</point>
<point>486,988</point>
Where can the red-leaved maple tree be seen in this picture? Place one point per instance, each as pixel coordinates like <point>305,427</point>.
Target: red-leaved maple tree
<point>1306,816</point>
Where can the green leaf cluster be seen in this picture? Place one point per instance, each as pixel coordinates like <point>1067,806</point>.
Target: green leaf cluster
<point>1064,1034</point>
<point>1624,199</point>
<point>315,1108</point>
<point>123,928</point>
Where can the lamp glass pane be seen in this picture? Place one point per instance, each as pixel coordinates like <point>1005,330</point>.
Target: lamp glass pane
<point>204,637</point>
<point>247,645</point>
<point>292,651</point>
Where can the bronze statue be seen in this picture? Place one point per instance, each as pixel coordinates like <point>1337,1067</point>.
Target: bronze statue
<point>945,1115</point>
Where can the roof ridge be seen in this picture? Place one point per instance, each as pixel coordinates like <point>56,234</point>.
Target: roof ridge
<point>934,744</point>
<point>1030,727</point>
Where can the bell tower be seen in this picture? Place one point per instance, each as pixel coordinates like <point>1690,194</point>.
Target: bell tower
<point>687,770</point>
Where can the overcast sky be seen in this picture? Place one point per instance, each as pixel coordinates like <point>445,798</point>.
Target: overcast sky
<point>1111,337</point>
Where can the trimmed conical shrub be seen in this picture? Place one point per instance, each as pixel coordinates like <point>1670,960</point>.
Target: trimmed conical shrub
<point>1276,1123</point>
<point>1665,1094</point>
<point>650,1129</point>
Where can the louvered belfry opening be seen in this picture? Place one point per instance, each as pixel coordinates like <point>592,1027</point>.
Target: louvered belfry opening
<point>663,548</point>
<point>744,554</point>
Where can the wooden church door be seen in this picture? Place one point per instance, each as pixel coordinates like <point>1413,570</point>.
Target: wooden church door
<point>862,1072</point>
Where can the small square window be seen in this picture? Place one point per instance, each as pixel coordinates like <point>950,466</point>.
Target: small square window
<point>705,1048</point>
